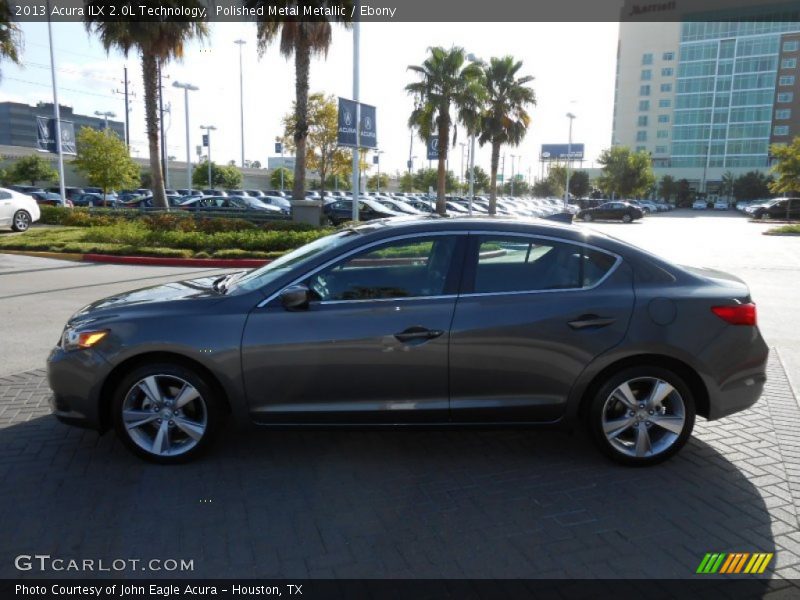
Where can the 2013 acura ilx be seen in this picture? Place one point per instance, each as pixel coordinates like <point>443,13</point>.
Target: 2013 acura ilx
<point>421,321</point>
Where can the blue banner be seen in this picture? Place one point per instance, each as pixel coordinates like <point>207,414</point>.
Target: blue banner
<point>561,151</point>
<point>433,148</point>
<point>368,128</point>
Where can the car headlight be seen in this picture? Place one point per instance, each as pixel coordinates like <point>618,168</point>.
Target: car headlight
<point>73,339</point>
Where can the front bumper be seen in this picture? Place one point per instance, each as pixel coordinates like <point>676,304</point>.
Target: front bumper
<point>76,379</point>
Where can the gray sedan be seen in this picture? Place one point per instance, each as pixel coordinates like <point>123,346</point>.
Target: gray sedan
<point>423,321</point>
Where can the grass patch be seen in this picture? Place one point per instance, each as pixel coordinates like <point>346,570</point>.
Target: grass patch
<point>784,230</point>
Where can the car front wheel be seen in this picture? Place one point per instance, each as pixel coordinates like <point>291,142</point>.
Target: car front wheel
<point>642,415</point>
<point>165,413</point>
<point>21,221</point>
<point>587,217</point>
<point>626,218</point>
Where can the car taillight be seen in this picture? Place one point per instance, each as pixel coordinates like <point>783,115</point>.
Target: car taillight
<point>736,314</point>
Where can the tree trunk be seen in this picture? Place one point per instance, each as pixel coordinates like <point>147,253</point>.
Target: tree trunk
<point>302,59</point>
<point>150,76</point>
<point>444,135</point>
<point>495,164</point>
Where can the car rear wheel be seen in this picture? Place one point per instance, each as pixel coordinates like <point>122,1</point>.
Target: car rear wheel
<point>626,218</point>
<point>587,217</point>
<point>165,413</point>
<point>21,221</point>
<point>642,415</point>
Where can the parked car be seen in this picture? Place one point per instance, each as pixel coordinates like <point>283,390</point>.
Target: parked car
<point>17,210</point>
<point>720,204</point>
<point>25,189</point>
<point>187,192</point>
<point>341,211</point>
<point>230,204</point>
<point>95,199</point>
<point>421,321</point>
<point>779,208</point>
<point>699,205</point>
<point>615,211</point>
<point>70,192</point>
<point>50,199</point>
<point>147,202</point>
<point>213,192</point>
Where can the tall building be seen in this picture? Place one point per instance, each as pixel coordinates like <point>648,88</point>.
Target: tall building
<point>19,123</point>
<point>709,92</point>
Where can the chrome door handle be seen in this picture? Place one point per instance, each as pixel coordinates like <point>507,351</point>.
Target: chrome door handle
<point>418,333</point>
<point>591,321</point>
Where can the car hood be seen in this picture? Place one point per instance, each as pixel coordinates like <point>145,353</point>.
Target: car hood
<point>193,289</point>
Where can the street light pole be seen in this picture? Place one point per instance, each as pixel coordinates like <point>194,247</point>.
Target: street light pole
<point>356,153</point>
<point>378,159</point>
<point>474,59</point>
<point>241,43</point>
<point>187,87</point>
<point>56,110</point>
<point>208,129</point>
<point>571,117</point>
<point>513,158</point>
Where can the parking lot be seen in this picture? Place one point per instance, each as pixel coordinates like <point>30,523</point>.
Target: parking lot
<point>485,504</point>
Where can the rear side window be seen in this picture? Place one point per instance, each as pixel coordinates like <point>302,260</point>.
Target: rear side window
<point>5,196</point>
<point>515,264</point>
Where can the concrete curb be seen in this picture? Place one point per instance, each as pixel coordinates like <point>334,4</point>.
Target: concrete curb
<point>150,261</point>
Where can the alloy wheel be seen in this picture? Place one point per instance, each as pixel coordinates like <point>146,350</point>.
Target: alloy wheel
<point>22,221</point>
<point>164,415</point>
<point>643,417</point>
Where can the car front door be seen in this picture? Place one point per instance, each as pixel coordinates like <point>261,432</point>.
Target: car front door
<point>370,346</point>
<point>533,313</point>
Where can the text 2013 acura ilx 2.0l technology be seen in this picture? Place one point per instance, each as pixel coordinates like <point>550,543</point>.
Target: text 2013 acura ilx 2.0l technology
<point>421,321</point>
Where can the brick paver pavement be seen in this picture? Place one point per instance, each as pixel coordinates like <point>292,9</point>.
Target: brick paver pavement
<point>449,504</point>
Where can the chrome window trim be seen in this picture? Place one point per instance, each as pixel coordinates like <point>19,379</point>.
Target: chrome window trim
<point>325,265</point>
<point>614,267</point>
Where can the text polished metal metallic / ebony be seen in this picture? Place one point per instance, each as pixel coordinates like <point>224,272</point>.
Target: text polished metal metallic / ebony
<point>421,321</point>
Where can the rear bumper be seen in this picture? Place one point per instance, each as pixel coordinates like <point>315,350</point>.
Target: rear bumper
<point>739,362</point>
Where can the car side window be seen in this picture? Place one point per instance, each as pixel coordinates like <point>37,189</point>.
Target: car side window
<point>515,264</point>
<point>5,196</point>
<point>406,268</point>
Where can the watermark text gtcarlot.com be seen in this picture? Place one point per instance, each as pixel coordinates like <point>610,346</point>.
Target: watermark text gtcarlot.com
<point>48,563</point>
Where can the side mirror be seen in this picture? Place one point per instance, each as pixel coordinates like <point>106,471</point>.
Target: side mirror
<point>295,297</point>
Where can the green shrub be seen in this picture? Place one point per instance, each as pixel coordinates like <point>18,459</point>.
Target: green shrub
<point>53,215</point>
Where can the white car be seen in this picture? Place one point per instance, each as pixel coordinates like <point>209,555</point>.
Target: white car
<point>721,205</point>
<point>17,210</point>
<point>699,205</point>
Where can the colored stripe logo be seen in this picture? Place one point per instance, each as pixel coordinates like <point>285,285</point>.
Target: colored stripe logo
<point>734,563</point>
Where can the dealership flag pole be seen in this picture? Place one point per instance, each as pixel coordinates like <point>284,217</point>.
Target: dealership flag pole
<point>56,110</point>
<point>356,153</point>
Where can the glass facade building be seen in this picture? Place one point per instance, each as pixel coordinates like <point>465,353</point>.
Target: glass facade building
<point>726,91</point>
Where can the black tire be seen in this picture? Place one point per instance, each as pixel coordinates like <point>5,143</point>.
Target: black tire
<point>21,221</point>
<point>171,373</point>
<point>626,218</point>
<point>588,217</point>
<point>623,449</point>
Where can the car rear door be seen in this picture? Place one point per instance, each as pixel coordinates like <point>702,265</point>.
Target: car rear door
<point>532,314</point>
<point>371,347</point>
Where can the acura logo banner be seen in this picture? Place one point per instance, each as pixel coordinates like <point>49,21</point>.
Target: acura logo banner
<point>347,124</point>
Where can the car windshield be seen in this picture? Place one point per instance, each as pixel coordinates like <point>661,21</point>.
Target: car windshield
<point>258,278</point>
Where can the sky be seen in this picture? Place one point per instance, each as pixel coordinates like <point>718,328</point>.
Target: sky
<point>573,66</point>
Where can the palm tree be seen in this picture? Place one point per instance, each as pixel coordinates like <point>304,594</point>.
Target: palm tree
<point>301,39</point>
<point>445,82</point>
<point>10,37</point>
<point>728,179</point>
<point>157,42</point>
<point>505,119</point>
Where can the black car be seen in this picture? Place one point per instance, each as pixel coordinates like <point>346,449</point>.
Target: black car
<point>341,211</point>
<point>780,208</point>
<point>94,199</point>
<point>147,202</point>
<point>70,192</point>
<point>421,321</point>
<point>611,211</point>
